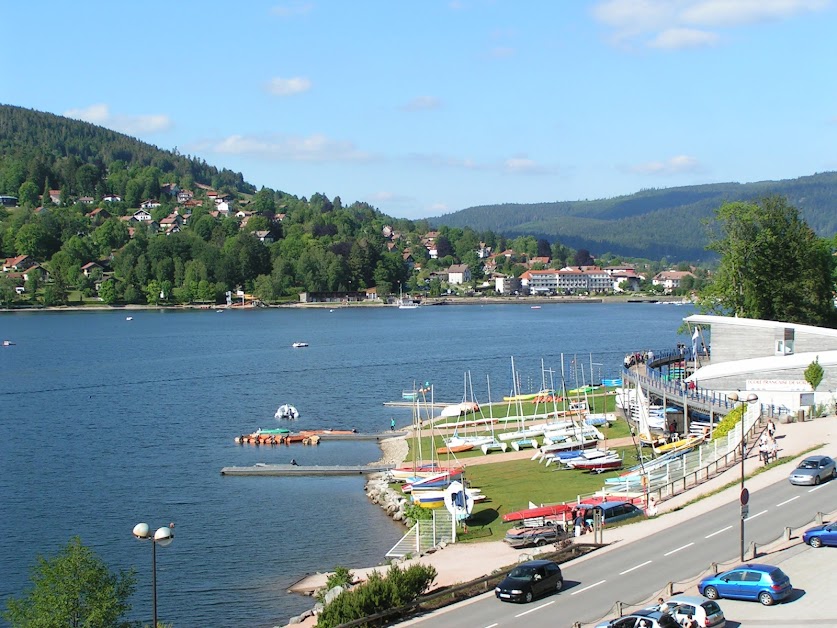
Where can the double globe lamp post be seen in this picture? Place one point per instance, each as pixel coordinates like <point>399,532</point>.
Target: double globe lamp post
<point>162,537</point>
<point>749,399</point>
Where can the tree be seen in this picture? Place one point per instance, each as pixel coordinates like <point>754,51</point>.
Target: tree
<point>107,292</point>
<point>814,373</point>
<point>27,194</point>
<point>75,588</point>
<point>772,265</point>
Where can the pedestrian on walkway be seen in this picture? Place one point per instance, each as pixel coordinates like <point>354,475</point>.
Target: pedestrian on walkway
<point>772,448</point>
<point>392,424</point>
<point>771,429</point>
<point>764,452</point>
<point>579,523</point>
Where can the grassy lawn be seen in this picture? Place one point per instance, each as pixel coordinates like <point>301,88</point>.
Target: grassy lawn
<point>510,486</point>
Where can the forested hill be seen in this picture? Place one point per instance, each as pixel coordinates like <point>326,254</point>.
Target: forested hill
<point>75,156</point>
<point>652,223</point>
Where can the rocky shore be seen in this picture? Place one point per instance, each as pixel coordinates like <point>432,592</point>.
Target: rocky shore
<point>393,452</point>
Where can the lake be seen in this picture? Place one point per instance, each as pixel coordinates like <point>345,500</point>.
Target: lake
<point>107,422</point>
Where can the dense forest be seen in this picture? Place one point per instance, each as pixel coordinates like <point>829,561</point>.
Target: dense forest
<point>653,223</point>
<point>271,244</point>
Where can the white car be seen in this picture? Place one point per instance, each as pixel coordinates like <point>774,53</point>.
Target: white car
<point>706,612</point>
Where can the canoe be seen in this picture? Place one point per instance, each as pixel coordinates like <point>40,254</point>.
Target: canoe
<point>533,513</point>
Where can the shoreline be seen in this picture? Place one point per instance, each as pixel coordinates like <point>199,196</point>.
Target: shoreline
<point>436,302</point>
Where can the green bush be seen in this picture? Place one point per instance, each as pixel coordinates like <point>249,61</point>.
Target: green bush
<point>378,593</point>
<point>414,513</point>
<point>728,423</point>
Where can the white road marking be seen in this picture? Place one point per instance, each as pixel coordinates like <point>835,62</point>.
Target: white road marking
<point>755,515</point>
<point>492,625</point>
<point>678,549</point>
<point>816,488</point>
<point>532,610</point>
<point>590,587</point>
<point>637,567</point>
<point>718,532</point>
<point>787,501</point>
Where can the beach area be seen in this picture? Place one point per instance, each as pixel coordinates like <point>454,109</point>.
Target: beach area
<point>461,562</point>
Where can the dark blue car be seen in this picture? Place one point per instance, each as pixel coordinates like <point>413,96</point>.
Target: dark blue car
<point>821,535</point>
<point>765,583</point>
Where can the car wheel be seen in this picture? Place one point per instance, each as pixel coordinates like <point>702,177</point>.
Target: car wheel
<point>765,598</point>
<point>815,541</point>
<point>816,480</point>
<point>711,593</point>
<point>834,473</point>
<point>529,596</point>
<point>559,586</point>
<point>540,542</point>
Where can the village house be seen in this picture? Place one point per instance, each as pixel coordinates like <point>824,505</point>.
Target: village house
<point>150,203</point>
<point>142,215</point>
<point>170,189</point>
<point>112,198</point>
<point>459,274</point>
<point>264,236</point>
<point>184,196</point>
<point>99,215</point>
<point>670,279</point>
<point>504,284</point>
<point>90,267</point>
<point>19,263</point>
<point>86,200</point>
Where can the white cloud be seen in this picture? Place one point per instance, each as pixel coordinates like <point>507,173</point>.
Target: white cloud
<point>674,38</point>
<point>679,164</point>
<point>292,9</point>
<point>131,125</point>
<point>671,24</point>
<point>522,165</point>
<point>288,87</point>
<point>422,103</point>
<point>314,148</point>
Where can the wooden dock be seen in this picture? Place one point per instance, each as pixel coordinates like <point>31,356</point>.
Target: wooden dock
<point>291,470</point>
<point>358,436</point>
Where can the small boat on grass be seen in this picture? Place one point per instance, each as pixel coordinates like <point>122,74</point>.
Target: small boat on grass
<point>524,443</point>
<point>487,448</point>
<point>534,513</point>
<point>455,449</point>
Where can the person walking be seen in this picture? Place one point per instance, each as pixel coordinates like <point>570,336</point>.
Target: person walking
<point>772,448</point>
<point>771,429</point>
<point>764,452</point>
<point>392,424</point>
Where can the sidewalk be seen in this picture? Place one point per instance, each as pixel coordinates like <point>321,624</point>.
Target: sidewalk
<point>460,563</point>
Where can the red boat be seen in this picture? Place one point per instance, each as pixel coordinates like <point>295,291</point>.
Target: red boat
<point>532,513</point>
<point>605,463</point>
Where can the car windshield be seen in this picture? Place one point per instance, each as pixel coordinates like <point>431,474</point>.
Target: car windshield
<point>808,464</point>
<point>777,575</point>
<point>522,573</point>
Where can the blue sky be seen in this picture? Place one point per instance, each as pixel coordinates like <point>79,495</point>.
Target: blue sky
<point>422,108</point>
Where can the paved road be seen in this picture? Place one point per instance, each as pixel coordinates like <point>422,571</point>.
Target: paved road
<point>636,572</point>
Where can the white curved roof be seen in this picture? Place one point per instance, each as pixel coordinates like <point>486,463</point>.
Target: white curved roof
<point>771,364</point>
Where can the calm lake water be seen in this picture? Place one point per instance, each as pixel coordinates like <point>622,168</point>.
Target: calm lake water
<point>106,422</point>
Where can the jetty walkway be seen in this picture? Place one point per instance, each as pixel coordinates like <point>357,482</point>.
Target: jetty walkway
<point>292,470</point>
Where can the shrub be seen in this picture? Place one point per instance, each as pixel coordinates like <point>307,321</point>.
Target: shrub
<point>728,423</point>
<point>341,577</point>
<point>378,593</point>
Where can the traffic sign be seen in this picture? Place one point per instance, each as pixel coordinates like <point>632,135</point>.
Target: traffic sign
<point>745,511</point>
<point>745,497</point>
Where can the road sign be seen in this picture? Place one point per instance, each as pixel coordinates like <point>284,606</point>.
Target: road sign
<point>745,497</point>
<point>745,511</point>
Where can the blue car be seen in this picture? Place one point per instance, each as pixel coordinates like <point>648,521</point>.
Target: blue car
<point>765,583</point>
<point>821,535</point>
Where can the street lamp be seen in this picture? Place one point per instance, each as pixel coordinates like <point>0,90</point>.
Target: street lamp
<point>162,537</point>
<point>745,495</point>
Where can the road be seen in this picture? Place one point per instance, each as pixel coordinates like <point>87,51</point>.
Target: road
<point>635,573</point>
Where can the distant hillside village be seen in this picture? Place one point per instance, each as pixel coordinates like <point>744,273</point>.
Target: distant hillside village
<point>536,274</point>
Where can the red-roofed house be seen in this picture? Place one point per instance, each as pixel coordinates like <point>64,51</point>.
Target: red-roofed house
<point>670,279</point>
<point>19,263</point>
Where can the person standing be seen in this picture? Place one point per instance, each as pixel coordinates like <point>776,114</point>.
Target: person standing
<point>392,424</point>
<point>771,429</point>
<point>579,523</point>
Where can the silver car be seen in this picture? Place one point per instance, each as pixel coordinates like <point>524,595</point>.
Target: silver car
<point>813,470</point>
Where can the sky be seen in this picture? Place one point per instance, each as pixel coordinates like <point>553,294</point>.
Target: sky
<point>425,107</point>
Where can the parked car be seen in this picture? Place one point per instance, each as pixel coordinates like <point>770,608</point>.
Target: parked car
<point>613,511</point>
<point>529,580</point>
<point>765,583</point>
<point>813,470</point>
<point>648,617</point>
<point>821,535</point>
<point>523,536</point>
<point>706,612</point>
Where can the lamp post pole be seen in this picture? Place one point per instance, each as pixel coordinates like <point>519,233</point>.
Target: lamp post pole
<point>744,497</point>
<point>164,536</point>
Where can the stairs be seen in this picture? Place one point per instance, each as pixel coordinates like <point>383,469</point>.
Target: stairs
<point>425,535</point>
